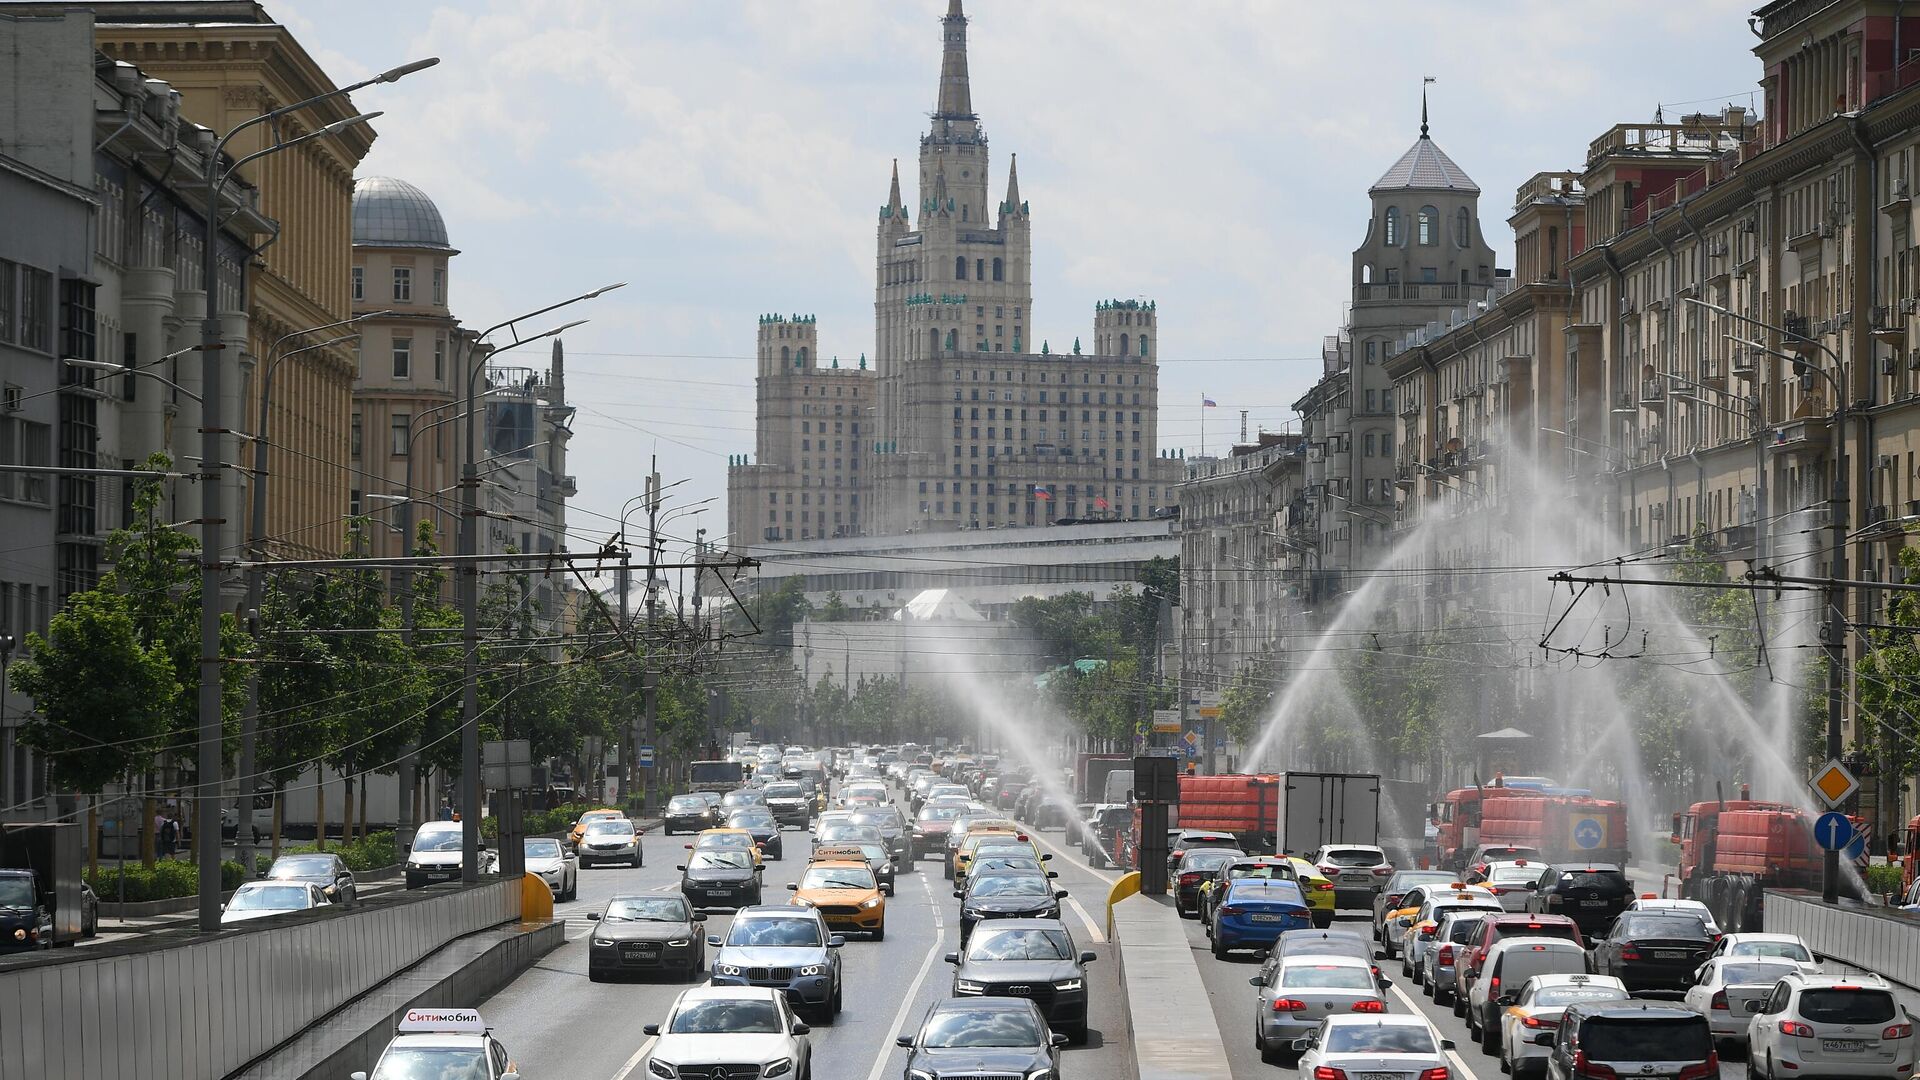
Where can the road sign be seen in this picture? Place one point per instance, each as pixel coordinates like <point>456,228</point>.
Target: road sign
<point>1835,783</point>
<point>646,756</point>
<point>506,763</point>
<point>1166,721</point>
<point>1589,833</point>
<point>1139,742</point>
<point>1833,831</point>
<point>1193,752</point>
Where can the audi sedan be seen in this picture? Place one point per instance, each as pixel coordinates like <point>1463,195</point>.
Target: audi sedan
<point>1027,958</point>
<point>642,934</point>
<point>968,1038</point>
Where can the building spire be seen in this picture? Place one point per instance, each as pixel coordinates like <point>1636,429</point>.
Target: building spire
<point>1425,81</point>
<point>956,99</point>
<point>893,197</point>
<point>1013,181</point>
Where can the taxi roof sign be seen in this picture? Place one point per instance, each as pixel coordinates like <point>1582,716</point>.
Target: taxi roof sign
<point>458,1021</point>
<point>1835,783</point>
<point>838,852</point>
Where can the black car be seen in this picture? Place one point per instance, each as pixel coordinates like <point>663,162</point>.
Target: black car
<point>1607,1040</point>
<point>760,823</point>
<point>741,799</point>
<point>720,878</point>
<point>688,813</point>
<point>323,868</point>
<point>1648,950</point>
<point>1104,823</point>
<point>790,803</point>
<point>25,923</point>
<point>892,825</point>
<point>1007,894</point>
<point>971,1037</point>
<point>640,934</point>
<point>1196,867</point>
<point>1031,958</point>
<point>1180,841</point>
<point>1591,894</point>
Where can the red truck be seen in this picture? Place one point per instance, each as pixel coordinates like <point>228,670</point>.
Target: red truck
<point>1733,850</point>
<point>1233,802</point>
<point>1560,826</point>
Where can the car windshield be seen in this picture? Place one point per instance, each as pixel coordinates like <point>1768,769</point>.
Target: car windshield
<point>1354,857</point>
<point>433,1063</point>
<point>1407,879</point>
<point>1634,925</point>
<point>723,1017</point>
<point>269,898</point>
<point>541,847</point>
<point>621,827</point>
<point>851,834</point>
<point>1594,879</point>
<point>1381,1039</point>
<point>1006,862</point>
<point>1260,870</point>
<point>1327,976</point>
<point>16,892</point>
<point>1755,974</point>
<point>1273,892</point>
<point>720,858</point>
<point>784,791</point>
<point>751,819</point>
<point>941,813</point>
<point>1022,944</point>
<point>292,866</point>
<point>1018,851</point>
<point>775,930</point>
<point>1558,996</point>
<point>1639,1039</point>
<point>723,841</point>
<point>1512,875</point>
<point>837,877</point>
<point>742,798</point>
<point>1786,950</point>
<point>645,909</point>
<point>437,840</point>
<point>1010,885</point>
<point>1847,1005</point>
<point>1204,861</point>
<point>686,804</point>
<point>879,819</point>
<point>962,1027</point>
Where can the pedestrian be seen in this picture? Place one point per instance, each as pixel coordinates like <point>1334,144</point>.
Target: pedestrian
<point>169,836</point>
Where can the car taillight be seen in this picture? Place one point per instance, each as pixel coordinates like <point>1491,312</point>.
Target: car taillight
<point>1720,1001</point>
<point>1383,871</point>
<point>1897,1031</point>
<point>1493,987</point>
<point>1704,1070</point>
<point>1540,1021</point>
<point>1369,1005</point>
<point>1445,956</point>
<point>1189,879</point>
<point>1288,1005</point>
<point>1230,909</point>
<point>1795,1028</point>
<point>1328,1072</point>
<point>1328,869</point>
<point>1629,954</point>
<point>1440,1073</point>
<point>1583,1067</point>
<point>1325,886</point>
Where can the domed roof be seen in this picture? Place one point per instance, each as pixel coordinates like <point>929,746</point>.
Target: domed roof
<point>395,213</point>
<point>1425,167</point>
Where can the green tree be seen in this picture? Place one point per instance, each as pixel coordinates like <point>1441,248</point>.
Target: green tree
<point>103,697</point>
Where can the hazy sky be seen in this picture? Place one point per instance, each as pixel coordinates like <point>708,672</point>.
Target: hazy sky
<point>729,158</point>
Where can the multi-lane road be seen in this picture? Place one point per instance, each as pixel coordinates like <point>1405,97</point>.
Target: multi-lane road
<point>557,1023</point>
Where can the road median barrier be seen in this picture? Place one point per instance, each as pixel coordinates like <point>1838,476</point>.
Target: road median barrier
<point>1170,1021</point>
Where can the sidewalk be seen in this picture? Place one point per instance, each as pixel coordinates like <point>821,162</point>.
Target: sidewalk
<point>1157,966</point>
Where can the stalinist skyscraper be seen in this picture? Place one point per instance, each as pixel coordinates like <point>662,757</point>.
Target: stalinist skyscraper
<point>963,420</point>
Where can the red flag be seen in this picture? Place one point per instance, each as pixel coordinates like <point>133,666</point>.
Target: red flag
<point>1099,502</point>
<point>1040,492</point>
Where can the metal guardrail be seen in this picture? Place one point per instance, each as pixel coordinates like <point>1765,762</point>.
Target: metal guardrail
<point>195,1007</point>
<point>1885,940</point>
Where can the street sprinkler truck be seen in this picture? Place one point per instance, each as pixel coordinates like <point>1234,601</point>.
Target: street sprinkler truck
<point>40,901</point>
<point>1562,824</point>
<point>1733,850</point>
<point>1235,803</point>
<point>720,776</point>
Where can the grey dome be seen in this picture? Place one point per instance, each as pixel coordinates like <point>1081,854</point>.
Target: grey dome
<point>393,212</point>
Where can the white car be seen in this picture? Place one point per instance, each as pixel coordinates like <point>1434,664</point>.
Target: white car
<point>1830,1025</point>
<point>1537,1009</point>
<point>1420,933</point>
<point>1729,990</point>
<point>730,1025</point>
<point>1650,902</point>
<point>556,865</point>
<point>1766,946</point>
<point>259,899</point>
<point>443,1042</point>
<point>1396,1045</point>
<point>611,840</point>
<point>1513,883</point>
<point>1509,964</point>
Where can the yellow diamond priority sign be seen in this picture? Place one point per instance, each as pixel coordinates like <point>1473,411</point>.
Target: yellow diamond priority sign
<point>1834,783</point>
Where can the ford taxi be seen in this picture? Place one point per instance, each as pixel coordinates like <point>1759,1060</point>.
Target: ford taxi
<point>580,826</point>
<point>845,893</point>
<point>736,839</point>
<point>443,1042</point>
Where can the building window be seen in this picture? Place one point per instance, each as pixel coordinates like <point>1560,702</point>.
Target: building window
<point>1393,226</point>
<point>439,358</point>
<point>440,284</point>
<point>959,268</point>
<point>354,442</point>
<point>999,270</point>
<point>359,283</point>
<point>403,285</point>
<point>402,357</point>
<point>402,428</point>
<point>1462,227</point>
<point>25,443</point>
<point>1429,226</point>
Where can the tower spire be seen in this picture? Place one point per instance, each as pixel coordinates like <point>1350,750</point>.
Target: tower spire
<point>956,99</point>
<point>893,197</point>
<point>1425,81</point>
<point>1013,181</point>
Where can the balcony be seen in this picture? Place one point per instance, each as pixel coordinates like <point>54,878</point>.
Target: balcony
<point>1737,538</point>
<point>1403,474</point>
<point>1653,394</point>
<point>569,487</point>
<point>1805,435</point>
<point>1744,362</point>
<point>1417,292</point>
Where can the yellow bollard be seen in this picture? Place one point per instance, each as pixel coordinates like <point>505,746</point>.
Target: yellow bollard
<point>1128,885</point>
<point>536,900</point>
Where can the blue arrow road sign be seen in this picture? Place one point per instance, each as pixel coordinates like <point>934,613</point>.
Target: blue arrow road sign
<point>1588,833</point>
<point>1833,831</point>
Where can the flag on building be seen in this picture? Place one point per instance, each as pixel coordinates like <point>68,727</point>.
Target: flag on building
<point>1208,403</point>
<point>1040,492</point>
<point>1100,503</point>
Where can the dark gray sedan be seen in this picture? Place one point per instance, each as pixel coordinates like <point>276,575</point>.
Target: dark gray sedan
<point>970,1037</point>
<point>323,868</point>
<point>639,934</point>
<point>720,878</point>
<point>1033,959</point>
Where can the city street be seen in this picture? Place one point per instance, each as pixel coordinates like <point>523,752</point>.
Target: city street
<point>557,1023</point>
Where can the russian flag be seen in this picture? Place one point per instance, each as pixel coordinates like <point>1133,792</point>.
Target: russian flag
<point>1040,492</point>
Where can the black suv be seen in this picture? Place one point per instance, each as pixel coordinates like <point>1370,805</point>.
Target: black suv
<point>1591,894</point>
<point>1603,1041</point>
<point>1653,950</point>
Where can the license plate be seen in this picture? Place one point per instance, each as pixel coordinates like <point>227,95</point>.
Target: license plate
<point>1360,879</point>
<point>1593,903</point>
<point>1267,918</point>
<point>441,875</point>
<point>1379,1076</point>
<point>1669,954</point>
<point>1843,1046</point>
<point>718,892</point>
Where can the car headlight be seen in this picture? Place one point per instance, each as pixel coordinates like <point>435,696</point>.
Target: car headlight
<point>601,943</point>
<point>968,986</point>
<point>681,944</point>
<point>872,903</point>
<point>777,1068</point>
<point>661,1069</point>
<point>814,969</point>
<point>1040,1074</point>
<point>1067,984</point>
<point>916,1074</point>
<point>726,969</point>
<point>412,865</point>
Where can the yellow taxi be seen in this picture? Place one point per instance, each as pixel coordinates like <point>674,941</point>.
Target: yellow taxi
<point>1001,842</point>
<point>845,893</point>
<point>728,839</point>
<point>580,827</point>
<point>1317,889</point>
<point>1412,927</point>
<point>967,826</point>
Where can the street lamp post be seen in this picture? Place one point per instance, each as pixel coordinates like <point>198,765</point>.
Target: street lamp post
<point>470,786</point>
<point>209,756</point>
<point>1837,552</point>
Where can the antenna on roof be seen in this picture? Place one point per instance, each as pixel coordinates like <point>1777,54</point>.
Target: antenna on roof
<point>1425,81</point>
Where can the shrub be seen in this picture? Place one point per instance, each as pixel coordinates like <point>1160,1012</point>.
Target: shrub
<point>535,822</point>
<point>1883,878</point>
<point>371,852</point>
<point>166,880</point>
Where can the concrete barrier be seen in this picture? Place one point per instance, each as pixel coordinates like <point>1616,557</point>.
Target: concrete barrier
<point>191,1007</point>
<point>1886,940</point>
<point>1157,967</point>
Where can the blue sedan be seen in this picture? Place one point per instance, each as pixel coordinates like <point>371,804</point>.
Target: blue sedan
<point>1255,911</point>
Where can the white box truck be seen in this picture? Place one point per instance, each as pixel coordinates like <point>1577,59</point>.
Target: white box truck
<point>1327,808</point>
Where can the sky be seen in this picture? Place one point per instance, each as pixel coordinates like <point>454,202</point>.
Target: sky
<point>729,157</point>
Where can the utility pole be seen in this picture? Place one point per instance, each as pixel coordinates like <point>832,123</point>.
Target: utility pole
<point>650,685</point>
<point>629,752</point>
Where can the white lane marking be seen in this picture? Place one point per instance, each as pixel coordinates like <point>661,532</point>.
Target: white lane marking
<point>883,1062</point>
<point>1063,853</point>
<point>638,1056</point>
<point>1414,1008</point>
<point>1093,928</point>
<point>581,934</point>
